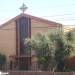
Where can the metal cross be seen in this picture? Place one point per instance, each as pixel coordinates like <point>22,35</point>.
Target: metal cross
<point>23,7</point>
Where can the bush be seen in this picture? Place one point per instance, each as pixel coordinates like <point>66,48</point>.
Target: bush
<point>2,58</point>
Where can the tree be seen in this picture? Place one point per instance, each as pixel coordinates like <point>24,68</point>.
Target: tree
<point>43,47</point>
<point>64,43</point>
<point>55,44</point>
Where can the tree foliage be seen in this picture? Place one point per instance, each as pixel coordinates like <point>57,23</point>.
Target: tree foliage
<point>2,58</point>
<point>42,45</point>
<point>55,44</point>
<point>64,43</point>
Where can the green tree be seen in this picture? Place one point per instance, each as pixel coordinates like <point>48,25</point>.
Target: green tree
<point>64,43</point>
<point>43,47</point>
<point>55,44</point>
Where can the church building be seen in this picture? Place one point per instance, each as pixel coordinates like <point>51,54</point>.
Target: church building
<point>15,30</point>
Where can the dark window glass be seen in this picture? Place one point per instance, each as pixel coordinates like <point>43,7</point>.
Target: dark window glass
<point>23,34</point>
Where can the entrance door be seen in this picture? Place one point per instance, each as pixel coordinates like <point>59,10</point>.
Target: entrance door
<point>23,63</point>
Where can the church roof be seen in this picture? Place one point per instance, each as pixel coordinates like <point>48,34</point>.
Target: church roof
<point>32,17</point>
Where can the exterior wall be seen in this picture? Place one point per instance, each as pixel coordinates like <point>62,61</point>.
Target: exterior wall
<point>40,27</point>
<point>71,63</point>
<point>8,41</point>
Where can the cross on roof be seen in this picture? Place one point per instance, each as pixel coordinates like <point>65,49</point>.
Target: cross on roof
<point>23,7</point>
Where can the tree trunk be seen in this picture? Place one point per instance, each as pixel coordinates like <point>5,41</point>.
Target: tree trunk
<point>49,66</point>
<point>55,66</point>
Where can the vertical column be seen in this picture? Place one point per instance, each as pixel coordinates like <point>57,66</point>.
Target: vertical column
<point>28,63</point>
<point>18,34</point>
<point>28,29</point>
<point>28,33</point>
<point>28,51</point>
<point>18,64</point>
<point>11,64</point>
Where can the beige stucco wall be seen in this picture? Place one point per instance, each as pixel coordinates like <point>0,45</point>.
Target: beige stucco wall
<point>8,41</point>
<point>44,27</point>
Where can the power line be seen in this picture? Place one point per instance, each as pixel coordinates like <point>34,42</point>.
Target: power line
<point>9,10</point>
<point>52,6</point>
<point>52,16</point>
<point>66,17</point>
<point>61,20</point>
<point>52,19</point>
<point>59,15</point>
<point>40,8</point>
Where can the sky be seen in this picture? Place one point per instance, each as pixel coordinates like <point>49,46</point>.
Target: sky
<point>60,11</point>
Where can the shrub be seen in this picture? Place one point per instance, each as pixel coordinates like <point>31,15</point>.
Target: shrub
<point>2,58</point>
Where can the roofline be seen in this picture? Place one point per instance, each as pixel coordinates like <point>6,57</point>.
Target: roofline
<point>32,17</point>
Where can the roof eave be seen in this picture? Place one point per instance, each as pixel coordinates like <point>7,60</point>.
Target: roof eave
<point>32,17</point>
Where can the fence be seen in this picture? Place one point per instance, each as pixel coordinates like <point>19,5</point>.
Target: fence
<point>36,66</point>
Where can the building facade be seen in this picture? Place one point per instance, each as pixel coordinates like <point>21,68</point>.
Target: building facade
<point>15,30</point>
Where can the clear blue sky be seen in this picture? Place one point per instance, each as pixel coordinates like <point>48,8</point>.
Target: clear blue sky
<point>40,8</point>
